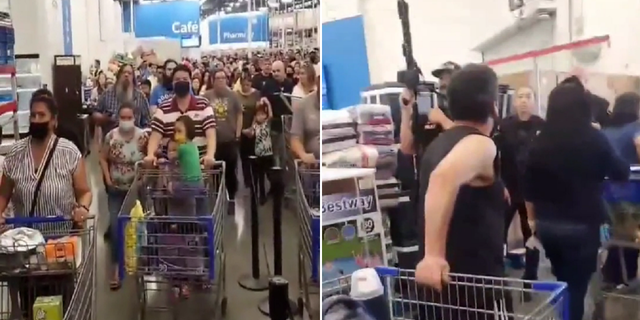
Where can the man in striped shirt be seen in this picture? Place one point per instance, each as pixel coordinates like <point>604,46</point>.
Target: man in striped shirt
<point>183,103</point>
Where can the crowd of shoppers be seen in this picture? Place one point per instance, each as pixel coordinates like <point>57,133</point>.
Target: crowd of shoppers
<point>236,103</point>
<point>551,172</point>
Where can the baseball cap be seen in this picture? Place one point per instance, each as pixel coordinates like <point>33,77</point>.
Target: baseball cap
<point>447,67</point>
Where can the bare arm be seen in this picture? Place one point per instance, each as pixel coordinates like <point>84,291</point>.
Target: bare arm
<point>211,142</point>
<point>6,191</point>
<point>455,170</point>
<point>531,212</point>
<point>406,135</point>
<point>81,185</point>
<point>104,156</point>
<point>154,142</point>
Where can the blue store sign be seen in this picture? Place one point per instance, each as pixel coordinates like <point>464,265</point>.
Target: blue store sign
<point>234,28</point>
<point>171,19</point>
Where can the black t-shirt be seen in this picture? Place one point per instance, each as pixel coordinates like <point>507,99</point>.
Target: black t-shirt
<point>514,139</point>
<point>272,90</point>
<point>475,240</point>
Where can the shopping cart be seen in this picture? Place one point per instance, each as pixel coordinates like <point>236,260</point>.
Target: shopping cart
<point>620,237</point>
<point>176,246</point>
<point>63,269</point>
<point>465,297</point>
<point>290,193</point>
<point>308,201</point>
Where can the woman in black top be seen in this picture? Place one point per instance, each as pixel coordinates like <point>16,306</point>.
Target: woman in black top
<point>563,182</point>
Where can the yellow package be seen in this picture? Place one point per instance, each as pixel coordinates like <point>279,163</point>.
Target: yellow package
<point>131,238</point>
<point>48,308</point>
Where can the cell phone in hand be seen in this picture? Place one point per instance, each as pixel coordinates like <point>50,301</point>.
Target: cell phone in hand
<point>424,100</point>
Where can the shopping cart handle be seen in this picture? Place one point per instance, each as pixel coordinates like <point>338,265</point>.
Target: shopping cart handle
<point>387,271</point>
<point>32,220</point>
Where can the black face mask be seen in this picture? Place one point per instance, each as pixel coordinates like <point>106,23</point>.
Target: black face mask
<point>38,130</point>
<point>289,75</point>
<point>181,88</point>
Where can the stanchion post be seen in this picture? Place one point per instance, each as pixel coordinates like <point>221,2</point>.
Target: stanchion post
<point>276,283</point>
<point>254,281</point>
<point>278,194</point>
<point>278,298</point>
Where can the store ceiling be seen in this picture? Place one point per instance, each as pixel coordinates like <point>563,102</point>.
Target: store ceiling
<point>210,7</point>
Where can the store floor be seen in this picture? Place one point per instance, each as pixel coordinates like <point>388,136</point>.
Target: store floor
<point>242,304</point>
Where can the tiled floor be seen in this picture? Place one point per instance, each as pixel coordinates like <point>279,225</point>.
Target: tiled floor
<point>242,304</point>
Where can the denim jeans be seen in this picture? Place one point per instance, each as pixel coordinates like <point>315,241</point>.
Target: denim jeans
<point>572,250</point>
<point>115,198</point>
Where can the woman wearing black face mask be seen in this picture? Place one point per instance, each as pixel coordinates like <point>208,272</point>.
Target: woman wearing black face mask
<point>44,176</point>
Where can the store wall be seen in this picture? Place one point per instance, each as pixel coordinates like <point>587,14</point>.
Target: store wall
<point>87,28</point>
<point>441,30</point>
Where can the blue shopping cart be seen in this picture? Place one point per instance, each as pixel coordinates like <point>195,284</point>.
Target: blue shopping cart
<point>464,297</point>
<point>65,266</point>
<point>620,238</point>
<point>177,242</point>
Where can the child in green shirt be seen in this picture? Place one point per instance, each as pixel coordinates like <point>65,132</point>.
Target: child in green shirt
<point>188,185</point>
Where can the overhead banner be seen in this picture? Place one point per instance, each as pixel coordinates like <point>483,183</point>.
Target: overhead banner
<point>234,28</point>
<point>173,19</point>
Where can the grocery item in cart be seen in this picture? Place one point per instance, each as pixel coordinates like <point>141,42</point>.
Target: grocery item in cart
<point>48,308</point>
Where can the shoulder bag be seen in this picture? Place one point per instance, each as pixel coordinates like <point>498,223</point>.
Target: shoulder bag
<point>41,173</point>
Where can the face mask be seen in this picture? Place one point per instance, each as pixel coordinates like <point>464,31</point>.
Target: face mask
<point>181,88</point>
<point>179,138</point>
<point>126,125</point>
<point>38,130</point>
<point>289,75</point>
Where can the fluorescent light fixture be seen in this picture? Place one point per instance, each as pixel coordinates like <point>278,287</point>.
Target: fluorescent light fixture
<point>286,1</point>
<point>273,4</point>
<point>237,4</point>
<point>227,9</point>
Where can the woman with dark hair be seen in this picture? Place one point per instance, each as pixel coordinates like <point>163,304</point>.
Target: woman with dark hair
<point>563,180</point>
<point>44,176</point>
<point>122,148</point>
<point>623,133</point>
<point>248,98</point>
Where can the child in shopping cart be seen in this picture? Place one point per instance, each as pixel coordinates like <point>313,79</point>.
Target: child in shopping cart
<point>184,184</point>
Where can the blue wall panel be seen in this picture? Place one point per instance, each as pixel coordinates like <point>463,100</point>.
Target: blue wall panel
<point>173,19</point>
<point>346,66</point>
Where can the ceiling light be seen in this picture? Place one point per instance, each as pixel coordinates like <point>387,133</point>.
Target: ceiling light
<point>273,4</point>
<point>286,1</point>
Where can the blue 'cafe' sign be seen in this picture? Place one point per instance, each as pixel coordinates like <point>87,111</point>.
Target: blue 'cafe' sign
<point>171,19</point>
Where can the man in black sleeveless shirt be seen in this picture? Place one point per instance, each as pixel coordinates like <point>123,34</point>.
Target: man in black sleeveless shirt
<point>461,206</point>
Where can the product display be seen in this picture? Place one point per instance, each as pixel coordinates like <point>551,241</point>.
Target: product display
<point>371,114</point>
<point>353,228</point>
<point>338,131</point>
<point>359,156</point>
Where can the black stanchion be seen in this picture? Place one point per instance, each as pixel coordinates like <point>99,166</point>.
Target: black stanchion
<point>254,281</point>
<point>277,185</point>
<point>278,298</point>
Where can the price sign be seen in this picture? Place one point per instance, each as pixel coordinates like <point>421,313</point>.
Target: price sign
<point>369,224</point>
